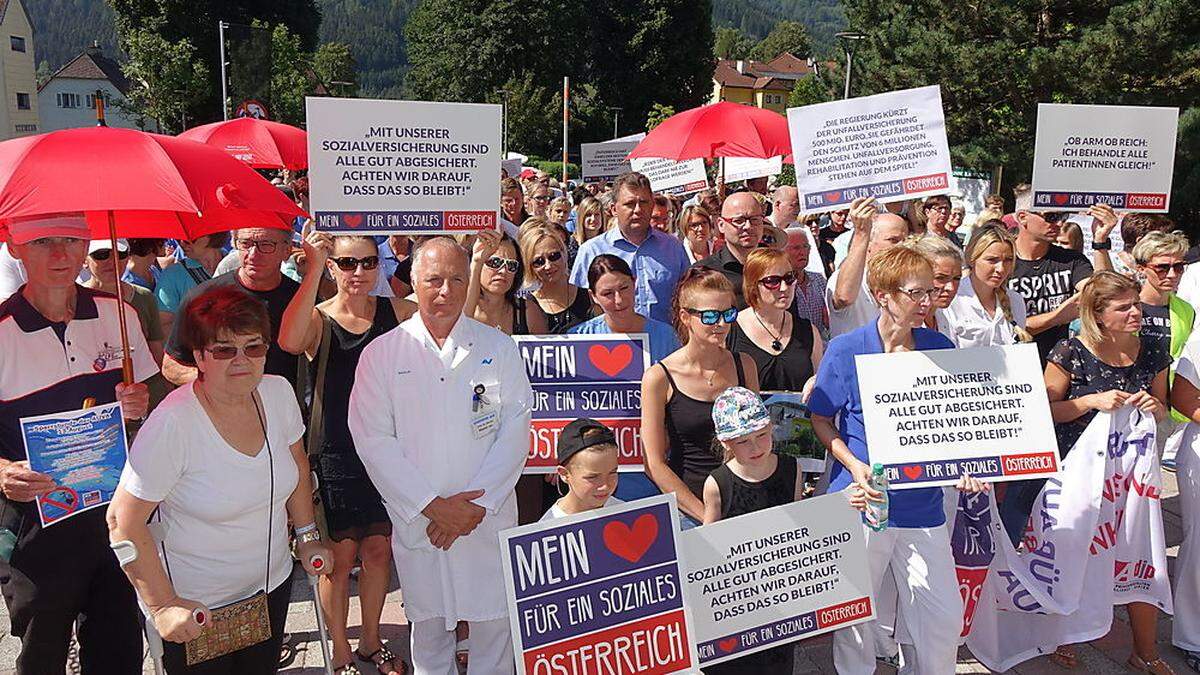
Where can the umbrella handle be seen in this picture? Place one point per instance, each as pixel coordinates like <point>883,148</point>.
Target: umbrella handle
<point>126,361</point>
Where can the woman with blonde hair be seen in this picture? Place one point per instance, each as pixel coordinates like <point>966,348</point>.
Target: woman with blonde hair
<point>546,262</point>
<point>986,312</point>
<point>1165,316</point>
<point>695,229</point>
<point>947,262</point>
<point>589,220</point>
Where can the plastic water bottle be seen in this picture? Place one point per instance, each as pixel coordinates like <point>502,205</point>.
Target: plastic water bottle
<point>876,516</point>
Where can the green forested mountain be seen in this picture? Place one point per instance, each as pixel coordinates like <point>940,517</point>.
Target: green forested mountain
<point>375,29</point>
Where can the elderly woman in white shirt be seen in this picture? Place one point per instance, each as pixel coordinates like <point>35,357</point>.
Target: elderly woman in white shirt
<point>986,312</point>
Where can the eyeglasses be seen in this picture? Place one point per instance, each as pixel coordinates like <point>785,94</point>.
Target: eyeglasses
<point>263,245</point>
<point>348,264</point>
<point>1162,268</point>
<point>710,317</point>
<point>774,281</point>
<point>227,352</point>
<point>939,208</point>
<point>496,263</point>
<point>542,198</point>
<point>743,221</point>
<point>919,294</point>
<point>552,257</point>
<point>105,253</point>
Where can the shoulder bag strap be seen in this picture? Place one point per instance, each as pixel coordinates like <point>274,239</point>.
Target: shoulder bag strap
<point>316,423</point>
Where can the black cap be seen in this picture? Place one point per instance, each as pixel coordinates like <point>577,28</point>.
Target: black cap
<point>581,434</point>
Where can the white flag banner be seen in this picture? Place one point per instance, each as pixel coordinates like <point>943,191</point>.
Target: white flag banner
<point>1095,540</point>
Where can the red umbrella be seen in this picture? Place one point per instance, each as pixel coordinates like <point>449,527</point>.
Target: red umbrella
<point>132,184</point>
<point>718,130</point>
<point>260,143</point>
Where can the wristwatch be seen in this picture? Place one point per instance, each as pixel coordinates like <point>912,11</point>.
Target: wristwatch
<point>1102,245</point>
<point>307,537</point>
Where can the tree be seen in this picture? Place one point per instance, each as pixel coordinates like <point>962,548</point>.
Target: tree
<point>1185,189</point>
<point>787,36</point>
<point>658,114</point>
<point>534,112</point>
<point>164,77</point>
<point>289,76</point>
<point>731,43</point>
<point>333,63</point>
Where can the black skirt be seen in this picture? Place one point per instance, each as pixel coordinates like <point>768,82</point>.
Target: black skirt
<point>353,507</point>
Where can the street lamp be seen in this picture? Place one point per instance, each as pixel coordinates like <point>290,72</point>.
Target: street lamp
<point>849,40</point>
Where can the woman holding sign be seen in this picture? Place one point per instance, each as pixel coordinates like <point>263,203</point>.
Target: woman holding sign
<point>914,545</point>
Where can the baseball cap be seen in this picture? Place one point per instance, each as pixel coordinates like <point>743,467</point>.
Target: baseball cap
<point>738,412</point>
<point>106,244</point>
<point>581,434</point>
<point>72,225</point>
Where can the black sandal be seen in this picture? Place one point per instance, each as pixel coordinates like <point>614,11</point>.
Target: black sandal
<point>383,656</point>
<point>348,669</point>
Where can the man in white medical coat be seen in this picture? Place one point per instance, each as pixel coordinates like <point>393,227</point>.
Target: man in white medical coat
<point>440,417</point>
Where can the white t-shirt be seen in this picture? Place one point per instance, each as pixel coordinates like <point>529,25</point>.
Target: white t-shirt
<point>853,316</point>
<point>214,499</point>
<point>968,325</point>
<point>557,512</point>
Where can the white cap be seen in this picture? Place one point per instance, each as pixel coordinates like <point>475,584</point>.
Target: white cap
<point>106,244</point>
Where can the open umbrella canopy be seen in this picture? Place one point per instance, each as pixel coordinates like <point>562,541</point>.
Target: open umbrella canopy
<point>721,129</point>
<point>262,144</point>
<point>153,185</point>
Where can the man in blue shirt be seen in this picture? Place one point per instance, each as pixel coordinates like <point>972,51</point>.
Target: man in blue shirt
<point>657,259</point>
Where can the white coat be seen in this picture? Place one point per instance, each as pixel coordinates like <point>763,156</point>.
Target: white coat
<point>411,417</point>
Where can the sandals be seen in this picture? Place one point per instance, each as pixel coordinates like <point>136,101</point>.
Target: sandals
<point>348,669</point>
<point>1064,657</point>
<point>384,657</point>
<point>1157,666</point>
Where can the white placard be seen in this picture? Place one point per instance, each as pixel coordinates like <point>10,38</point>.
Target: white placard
<point>932,416</point>
<point>775,576</point>
<point>606,161</point>
<point>403,167</point>
<point>671,177</point>
<point>1119,155</point>
<point>512,166</point>
<point>745,168</point>
<point>889,146</point>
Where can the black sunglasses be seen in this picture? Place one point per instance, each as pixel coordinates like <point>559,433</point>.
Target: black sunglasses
<point>496,262</point>
<point>553,257</point>
<point>348,264</point>
<point>710,317</point>
<point>105,253</point>
<point>227,352</point>
<point>775,280</point>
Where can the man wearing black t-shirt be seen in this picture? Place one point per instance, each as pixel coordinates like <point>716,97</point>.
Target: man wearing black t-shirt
<point>262,251</point>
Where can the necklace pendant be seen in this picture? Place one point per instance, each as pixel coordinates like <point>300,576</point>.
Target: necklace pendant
<point>777,345</point>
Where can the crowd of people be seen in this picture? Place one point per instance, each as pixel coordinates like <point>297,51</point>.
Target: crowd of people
<point>383,366</point>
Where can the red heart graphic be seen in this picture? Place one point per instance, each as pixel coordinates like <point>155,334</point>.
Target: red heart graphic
<point>833,197</point>
<point>610,361</point>
<point>352,220</point>
<point>913,472</point>
<point>727,645</point>
<point>1061,199</point>
<point>631,543</point>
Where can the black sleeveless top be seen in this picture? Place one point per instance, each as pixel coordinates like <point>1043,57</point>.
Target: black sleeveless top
<point>785,371</point>
<point>691,433</point>
<point>739,496</point>
<point>339,375</point>
<point>579,311</point>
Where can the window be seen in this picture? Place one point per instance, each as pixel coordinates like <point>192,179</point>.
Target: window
<point>17,43</point>
<point>22,101</point>
<point>91,100</point>
<point>67,100</point>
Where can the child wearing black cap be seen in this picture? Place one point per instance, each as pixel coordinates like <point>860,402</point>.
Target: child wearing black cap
<point>587,463</point>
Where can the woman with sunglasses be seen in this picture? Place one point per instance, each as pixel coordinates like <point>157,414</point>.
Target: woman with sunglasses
<point>545,254</point>
<point>99,265</point>
<point>1166,317</point>
<point>785,348</point>
<point>496,277</point>
<point>915,546</point>
<point>677,395</point>
<point>333,335</point>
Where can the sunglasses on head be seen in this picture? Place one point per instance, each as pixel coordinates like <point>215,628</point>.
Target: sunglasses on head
<point>106,253</point>
<point>227,352</point>
<point>774,281</point>
<point>496,262</point>
<point>710,317</point>
<point>552,257</point>
<point>349,264</point>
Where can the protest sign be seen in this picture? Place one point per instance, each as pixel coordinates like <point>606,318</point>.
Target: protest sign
<point>745,168</point>
<point>942,413</point>
<point>83,451</point>
<point>597,376</point>
<point>403,167</point>
<point>1119,155</point>
<point>889,146</point>
<point>671,177</point>
<point>605,161</point>
<point>793,434</point>
<point>775,576</point>
<point>512,166</point>
<point>599,592</point>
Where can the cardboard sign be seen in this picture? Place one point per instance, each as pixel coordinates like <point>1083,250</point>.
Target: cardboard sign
<point>606,161</point>
<point>793,434</point>
<point>889,146</point>
<point>745,168</point>
<point>599,592</point>
<point>932,416</point>
<point>403,167</point>
<point>775,576</point>
<point>671,177</point>
<point>512,166</point>
<point>1123,156</point>
<point>597,376</point>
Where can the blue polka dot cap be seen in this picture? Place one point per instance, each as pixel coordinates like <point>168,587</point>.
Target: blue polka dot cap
<point>738,412</point>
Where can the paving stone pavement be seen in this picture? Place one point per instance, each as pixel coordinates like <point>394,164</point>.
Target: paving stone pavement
<point>1103,656</point>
